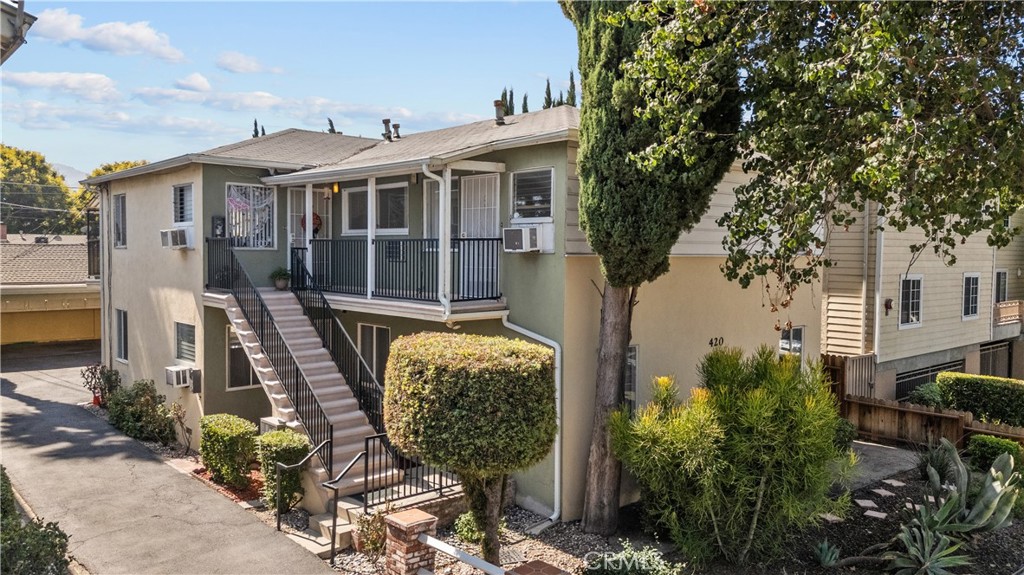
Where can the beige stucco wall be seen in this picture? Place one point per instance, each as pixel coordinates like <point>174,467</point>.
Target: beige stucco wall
<point>677,317</point>
<point>156,286</point>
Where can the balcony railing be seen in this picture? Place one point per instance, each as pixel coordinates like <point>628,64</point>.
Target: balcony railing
<point>92,234</point>
<point>219,269</point>
<point>1007,312</point>
<point>407,268</point>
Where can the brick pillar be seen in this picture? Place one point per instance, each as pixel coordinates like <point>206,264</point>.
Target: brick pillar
<point>405,554</point>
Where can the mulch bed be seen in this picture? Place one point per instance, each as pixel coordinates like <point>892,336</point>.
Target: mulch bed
<point>251,492</point>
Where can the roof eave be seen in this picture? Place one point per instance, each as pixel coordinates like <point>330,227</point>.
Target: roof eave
<point>179,161</point>
<point>415,165</point>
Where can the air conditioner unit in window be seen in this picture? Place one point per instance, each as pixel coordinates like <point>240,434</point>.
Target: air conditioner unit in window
<point>176,239</point>
<point>178,376</point>
<point>518,240</point>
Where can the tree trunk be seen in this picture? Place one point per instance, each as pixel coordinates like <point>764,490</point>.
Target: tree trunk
<point>601,500</point>
<point>491,545</point>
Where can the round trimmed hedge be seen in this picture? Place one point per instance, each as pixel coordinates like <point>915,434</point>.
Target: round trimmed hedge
<point>480,405</point>
<point>226,446</point>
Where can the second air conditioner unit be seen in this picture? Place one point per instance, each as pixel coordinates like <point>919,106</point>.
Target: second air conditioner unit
<point>520,240</point>
<point>175,239</point>
<point>178,376</point>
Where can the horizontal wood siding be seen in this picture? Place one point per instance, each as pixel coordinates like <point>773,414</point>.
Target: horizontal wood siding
<point>575,239</point>
<point>846,316</point>
<point>1011,258</point>
<point>942,324</point>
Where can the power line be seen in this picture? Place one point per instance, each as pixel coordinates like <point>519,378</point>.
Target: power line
<point>37,208</point>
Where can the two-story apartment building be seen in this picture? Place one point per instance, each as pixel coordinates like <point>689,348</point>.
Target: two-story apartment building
<point>902,321</point>
<point>471,228</point>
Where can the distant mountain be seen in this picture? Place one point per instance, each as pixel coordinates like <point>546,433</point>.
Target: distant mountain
<point>71,175</point>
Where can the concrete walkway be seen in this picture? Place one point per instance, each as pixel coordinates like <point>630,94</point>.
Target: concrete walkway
<point>126,511</point>
<point>876,462</point>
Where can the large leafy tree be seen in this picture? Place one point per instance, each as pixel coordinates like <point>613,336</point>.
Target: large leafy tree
<point>84,197</point>
<point>34,196</point>
<point>911,108</point>
<point>632,214</point>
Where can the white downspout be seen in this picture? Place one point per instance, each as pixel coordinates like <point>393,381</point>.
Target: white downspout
<point>557,513</point>
<point>307,233</point>
<point>444,231</point>
<point>876,345</point>
<point>106,249</point>
<point>864,281</point>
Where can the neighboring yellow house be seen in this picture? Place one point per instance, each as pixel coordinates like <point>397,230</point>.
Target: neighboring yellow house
<point>46,291</point>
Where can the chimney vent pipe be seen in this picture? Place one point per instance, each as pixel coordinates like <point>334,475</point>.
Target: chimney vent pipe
<point>387,129</point>
<point>499,113</point>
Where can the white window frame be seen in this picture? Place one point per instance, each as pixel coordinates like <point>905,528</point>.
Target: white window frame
<point>512,197</point>
<point>348,231</point>
<point>920,301</point>
<point>178,341</point>
<point>1005,286</point>
<point>183,189</point>
<point>120,220</point>
<point>371,363</point>
<point>786,344</point>
<point>254,380</point>
<point>977,296</point>
<point>428,206</point>
<point>273,216</point>
<point>121,329</point>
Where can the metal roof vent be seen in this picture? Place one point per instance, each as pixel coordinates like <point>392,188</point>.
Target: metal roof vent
<point>499,113</point>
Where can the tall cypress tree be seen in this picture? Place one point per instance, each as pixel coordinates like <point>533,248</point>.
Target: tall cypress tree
<point>632,214</point>
<point>504,100</point>
<point>547,95</point>
<point>571,98</point>
<point>526,107</point>
<point>511,102</point>
<point>255,128</point>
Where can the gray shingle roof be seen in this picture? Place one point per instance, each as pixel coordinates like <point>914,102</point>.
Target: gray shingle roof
<point>294,146</point>
<point>43,263</point>
<point>457,142</point>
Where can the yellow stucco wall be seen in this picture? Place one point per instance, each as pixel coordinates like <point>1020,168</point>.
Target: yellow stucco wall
<point>48,326</point>
<point>676,319</point>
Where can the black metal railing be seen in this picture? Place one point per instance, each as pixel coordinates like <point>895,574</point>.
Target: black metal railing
<point>280,468</point>
<point>332,484</point>
<point>405,269</point>
<point>384,459</point>
<point>256,312</point>
<point>218,264</point>
<point>358,375</point>
<point>475,265</point>
<point>339,266</point>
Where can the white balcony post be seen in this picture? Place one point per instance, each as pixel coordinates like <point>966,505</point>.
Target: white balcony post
<point>445,236</point>
<point>371,229</point>
<point>308,232</point>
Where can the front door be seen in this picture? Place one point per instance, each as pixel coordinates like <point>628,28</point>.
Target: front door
<point>298,230</point>
<point>478,261</point>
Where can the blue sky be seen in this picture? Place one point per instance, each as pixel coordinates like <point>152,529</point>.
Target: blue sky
<point>108,81</point>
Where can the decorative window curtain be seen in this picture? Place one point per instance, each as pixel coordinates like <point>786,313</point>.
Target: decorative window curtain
<point>250,216</point>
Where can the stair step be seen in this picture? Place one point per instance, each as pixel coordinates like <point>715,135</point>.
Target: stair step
<point>327,395</point>
<point>324,378</point>
<point>345,404</point>
<point>323,522</point>
<point>347,418</point>
<point>353,485</point>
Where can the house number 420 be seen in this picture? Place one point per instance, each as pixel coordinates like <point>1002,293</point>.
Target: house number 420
<point>716,341</point>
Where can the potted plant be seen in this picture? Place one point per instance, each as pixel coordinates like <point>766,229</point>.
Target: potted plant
<point>280,276</point>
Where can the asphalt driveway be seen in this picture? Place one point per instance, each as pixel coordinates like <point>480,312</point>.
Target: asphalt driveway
<point>126,511</point>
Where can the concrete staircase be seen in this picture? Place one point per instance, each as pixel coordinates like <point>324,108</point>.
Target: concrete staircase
<point>339,404</point>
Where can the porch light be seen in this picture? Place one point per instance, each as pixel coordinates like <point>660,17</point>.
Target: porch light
<point>334,187</point>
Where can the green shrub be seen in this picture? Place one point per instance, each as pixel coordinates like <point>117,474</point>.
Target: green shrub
<point>631,561</point>
<point>984,449</point>
<point>286,447</point>
<point>846,433</point>
<point>226,447</point>
<point>371,535</point>
<point>140,413</point>
<point>30,548</point>
<point>102,381</point>
<point>988,398</point>
<point>482,406</point>
<point>928,395</point>
<point>744,463</point>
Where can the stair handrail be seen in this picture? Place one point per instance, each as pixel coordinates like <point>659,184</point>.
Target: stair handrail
<point>364,385</point>
<point>280,466</point>
<point>333,486</point>
<point>256,312</point>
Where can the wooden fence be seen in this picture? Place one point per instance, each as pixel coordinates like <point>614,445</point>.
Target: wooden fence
<point>896,421</point>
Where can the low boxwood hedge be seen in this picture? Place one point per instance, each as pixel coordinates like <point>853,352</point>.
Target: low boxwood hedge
<point>227,446</point>
<point>286,447</point>
<point>988,398</point>
<point>984,449</point>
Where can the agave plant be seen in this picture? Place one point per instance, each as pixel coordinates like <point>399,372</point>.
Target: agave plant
<point>826,553</point>
<point>924,553</point>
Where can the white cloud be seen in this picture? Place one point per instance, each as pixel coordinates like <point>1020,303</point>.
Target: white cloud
<point>195,82</point>
<point>239,63</point>
<point>36,115</point>
<point>231,101</point>
<point>85,86</point>
<point>119,38</point>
